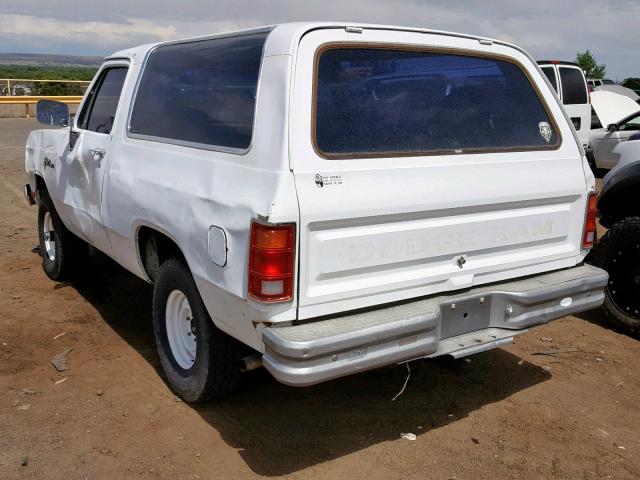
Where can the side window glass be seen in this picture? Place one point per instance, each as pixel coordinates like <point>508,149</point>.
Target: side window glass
<point>551,75</point>
<point>99,111</point>
<point>201,93</point>
<point>633,124</point>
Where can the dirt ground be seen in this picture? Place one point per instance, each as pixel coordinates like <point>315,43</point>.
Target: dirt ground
<point>505,414</point>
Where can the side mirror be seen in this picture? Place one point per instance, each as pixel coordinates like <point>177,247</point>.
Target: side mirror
<point>612,127</point>
<point>52,113</point>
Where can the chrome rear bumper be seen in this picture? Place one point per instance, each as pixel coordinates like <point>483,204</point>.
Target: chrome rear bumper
<point>457,324</point>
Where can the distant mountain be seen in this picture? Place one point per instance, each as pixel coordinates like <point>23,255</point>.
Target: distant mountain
<point>46,60</point>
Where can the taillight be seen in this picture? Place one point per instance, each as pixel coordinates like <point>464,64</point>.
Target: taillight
<point>271,262</point>
<point>589,236</point>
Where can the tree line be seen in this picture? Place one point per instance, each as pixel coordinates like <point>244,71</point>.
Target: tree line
<point>34,72</point>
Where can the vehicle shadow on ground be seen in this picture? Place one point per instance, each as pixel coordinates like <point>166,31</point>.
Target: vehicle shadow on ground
<point>279,430</point>
<point>598,317</point>
<point>595,316</point>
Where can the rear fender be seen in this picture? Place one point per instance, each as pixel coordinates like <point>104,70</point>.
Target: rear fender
<point>619,196</point>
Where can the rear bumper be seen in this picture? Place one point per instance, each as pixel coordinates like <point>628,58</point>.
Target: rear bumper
<point>458,324</point>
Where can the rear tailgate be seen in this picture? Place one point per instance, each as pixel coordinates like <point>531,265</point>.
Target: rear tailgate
<point>383,229</point>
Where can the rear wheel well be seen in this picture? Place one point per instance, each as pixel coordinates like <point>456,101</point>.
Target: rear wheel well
<point>619,204</point>
<point>618,198</point>
<point>154,248</point>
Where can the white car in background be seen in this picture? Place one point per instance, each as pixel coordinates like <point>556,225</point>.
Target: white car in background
<point>599,82</point>
<point>570,84</point>
<point>618,121</point>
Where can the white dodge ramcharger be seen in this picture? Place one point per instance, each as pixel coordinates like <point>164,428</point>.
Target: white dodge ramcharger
<point>322,198</point>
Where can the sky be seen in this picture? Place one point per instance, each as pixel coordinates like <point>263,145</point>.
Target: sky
<point>550,29</point>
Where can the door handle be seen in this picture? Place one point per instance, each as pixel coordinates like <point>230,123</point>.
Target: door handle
<point>97,154</point>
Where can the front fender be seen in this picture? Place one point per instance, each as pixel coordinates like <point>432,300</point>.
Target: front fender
<point>43,144</point>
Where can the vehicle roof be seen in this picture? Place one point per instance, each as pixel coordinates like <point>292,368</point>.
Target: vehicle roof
<point>285,36</point>
<point>557,62</point>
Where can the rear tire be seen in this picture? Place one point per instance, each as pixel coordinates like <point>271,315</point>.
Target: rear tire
<point>60,249</point>
<point>618,252</point>
<point>200,361</point>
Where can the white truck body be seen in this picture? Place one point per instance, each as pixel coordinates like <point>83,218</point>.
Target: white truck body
<point>402,237</point>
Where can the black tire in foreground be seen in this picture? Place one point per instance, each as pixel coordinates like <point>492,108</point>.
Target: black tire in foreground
<point>200,361</point>
<point>62,252</point>
<point>618,252</point>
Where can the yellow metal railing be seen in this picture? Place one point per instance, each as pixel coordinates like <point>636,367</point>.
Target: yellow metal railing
<point>10,86</point>
<point>27,100</point>
<point>31,99</point>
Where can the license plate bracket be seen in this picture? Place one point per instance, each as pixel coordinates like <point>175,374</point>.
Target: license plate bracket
<point>460,317</point>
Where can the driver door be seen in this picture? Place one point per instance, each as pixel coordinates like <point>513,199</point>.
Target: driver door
<point>88,155</point>
<point>626,128</point>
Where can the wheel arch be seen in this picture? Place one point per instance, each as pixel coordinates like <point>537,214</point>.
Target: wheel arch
<point>153,247</point>
<point>618,199</point>
<point>37,182</point>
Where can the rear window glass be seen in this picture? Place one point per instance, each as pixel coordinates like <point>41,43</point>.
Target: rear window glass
<point>551,75</point>
<point>574,89</point>
<point>200,92</point>
<point>377,102</point>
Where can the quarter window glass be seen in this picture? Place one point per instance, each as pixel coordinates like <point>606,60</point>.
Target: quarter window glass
<point>574,89</point>
<point>201,92</point>
<point>551,75</point>
<point>381,102</point>
<point>100,109</point>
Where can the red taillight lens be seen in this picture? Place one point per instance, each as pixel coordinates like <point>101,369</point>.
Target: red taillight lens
<point>271,262</point>
<point>589,236</point>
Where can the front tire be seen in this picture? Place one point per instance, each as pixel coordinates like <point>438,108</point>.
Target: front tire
<point>200,361</point>
<point>618,252</point>
<point>60,249</point>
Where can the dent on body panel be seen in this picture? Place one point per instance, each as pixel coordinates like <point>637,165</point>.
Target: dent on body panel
<point>188,191</point>
<point>181,193</point>
<point>44,151</point>
<point>184,191</point>
<point>34,151</point>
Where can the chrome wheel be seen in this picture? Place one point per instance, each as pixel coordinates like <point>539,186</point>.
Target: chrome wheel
<point>181,332</point>
<point>49,237</point>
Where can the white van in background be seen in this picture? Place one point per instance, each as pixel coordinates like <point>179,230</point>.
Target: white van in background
<point>569,82</point>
